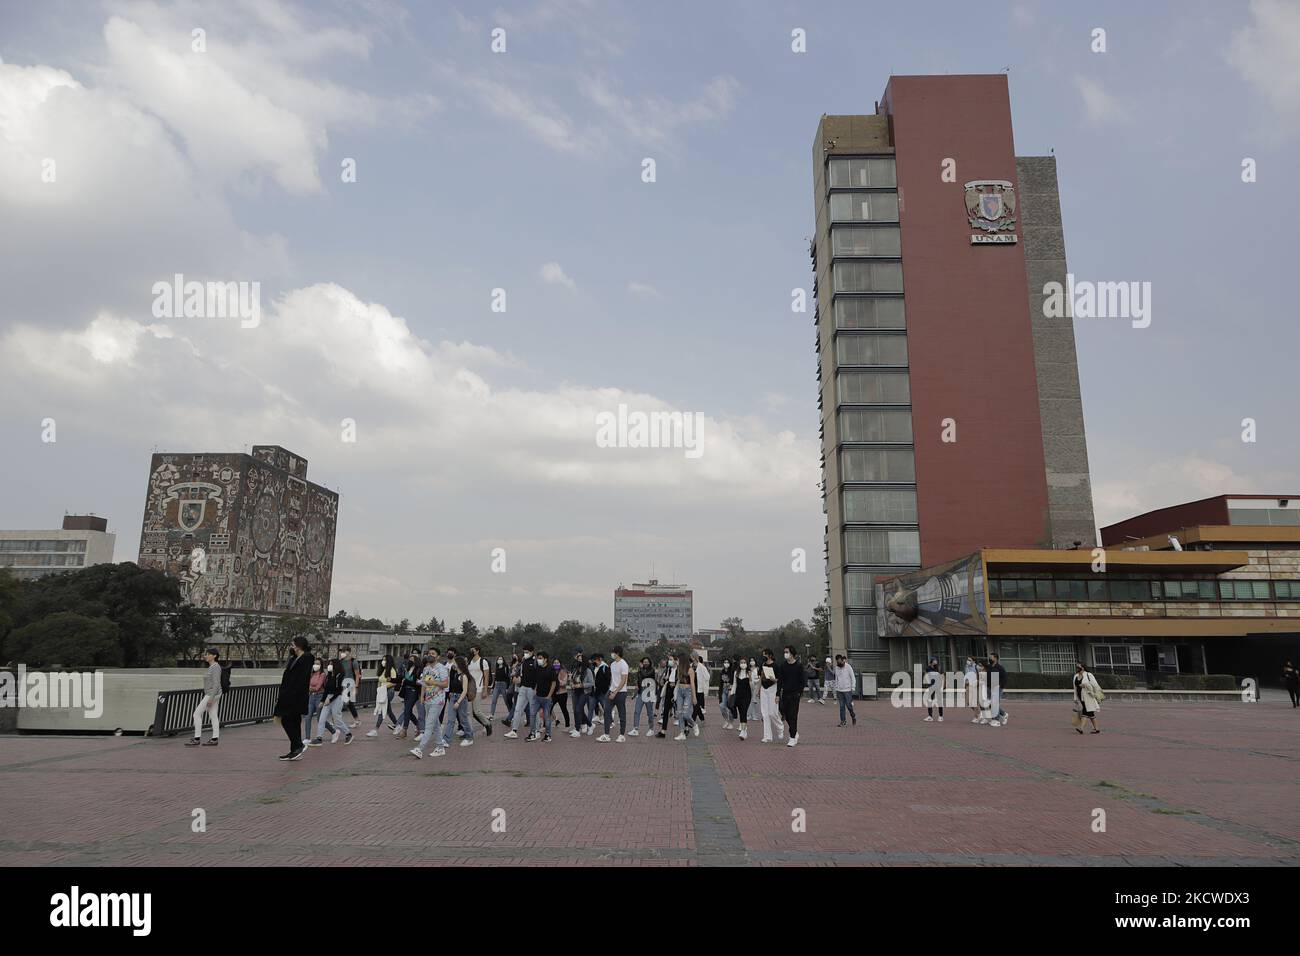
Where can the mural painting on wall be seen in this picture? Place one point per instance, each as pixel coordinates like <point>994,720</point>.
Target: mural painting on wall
<point>947,600</point>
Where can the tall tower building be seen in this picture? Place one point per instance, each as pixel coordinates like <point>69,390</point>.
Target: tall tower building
<point>950,408</point>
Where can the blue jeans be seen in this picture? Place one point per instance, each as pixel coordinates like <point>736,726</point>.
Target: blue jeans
<point>523,704</point>
<point>500,690</point>
<point>685,705</point>
<point>313,707</point>
<point>581,701</point>
<point>331,718</point>
<point>846,700</point>
<point>459,714</point>
<point>649,707</point>
<point>620,703</point>
<point>542,704</point>
<point>432,729</point>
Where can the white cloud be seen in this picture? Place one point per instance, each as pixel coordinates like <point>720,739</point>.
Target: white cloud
<point>1166,482</point>
<point>642,289</point>
<point>1100,106</point>
<point>553,274</point>
<point>1266,52</point>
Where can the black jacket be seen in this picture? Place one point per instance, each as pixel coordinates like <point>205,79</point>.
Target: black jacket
<point>295,687</point>
<point>789,678</point>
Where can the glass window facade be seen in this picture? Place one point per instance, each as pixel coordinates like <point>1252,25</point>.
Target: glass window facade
<point>873,388</point>
<point>870,348</point>
<point>867,276</point>
<point>858,173</point>
<point>865,241</point>
<point>879,505</point>
<point>864,207</point>
<point>873,313</point>
<point>876,425</point>
<point>882,547</point>
<point>877,464</point>
<point>859,591</point>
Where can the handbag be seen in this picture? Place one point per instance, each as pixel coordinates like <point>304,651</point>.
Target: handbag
<point>1076,718</point>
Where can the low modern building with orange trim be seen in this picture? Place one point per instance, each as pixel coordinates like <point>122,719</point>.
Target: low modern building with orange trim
<point>1177,596</point>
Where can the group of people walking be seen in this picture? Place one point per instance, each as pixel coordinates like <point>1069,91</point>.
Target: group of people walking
<point>440,698</point>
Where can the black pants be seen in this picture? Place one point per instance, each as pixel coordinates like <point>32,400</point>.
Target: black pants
<point>699,708</point>
<point>668,705</point>
<point>292,726</point>
<point>562,701</point>
<point>1294,691</point>
<point>788,704</point>
<point>740,702</point>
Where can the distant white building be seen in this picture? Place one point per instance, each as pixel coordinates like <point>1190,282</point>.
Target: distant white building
<point>82,541</point>
<point>652,610</point>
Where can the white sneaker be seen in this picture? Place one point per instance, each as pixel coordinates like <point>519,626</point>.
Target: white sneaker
<point>416,752</point>
<point>793,742</point>
<point>337,735</point>
<point>1006,718</point>
<point>512,735</point>
<point>697,730</point>
<point>439,752</point>
<point>727,725</point>
<point>929,720</point>
<point>974,720</point>
<point>467,742</point>
<point>590,730</point>
<point>631,733</point>
<point>743,734</point>
<point>373,733</point>
<point>940,720</point>
<point>681,736</point>
<point>603,739</point>
<point>995,723</point>
<point>766,740</point>
<point>575,733</point>
<point>620,739</point>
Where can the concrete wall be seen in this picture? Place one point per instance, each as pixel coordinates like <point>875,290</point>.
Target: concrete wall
<point>1060,407</point>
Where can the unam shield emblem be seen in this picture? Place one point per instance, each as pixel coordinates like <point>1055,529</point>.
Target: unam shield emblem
<point>991,205</point>
<point>189,513</point>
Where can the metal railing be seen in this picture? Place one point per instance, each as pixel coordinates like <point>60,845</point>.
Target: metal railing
<point>242,704</point>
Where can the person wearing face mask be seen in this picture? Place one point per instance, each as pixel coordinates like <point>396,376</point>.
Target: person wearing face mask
<point>331,718</point>
<point>316,690</point>
<point>526,686</point>
<point>482,674</point>
<point>385,685</point>
<point>844,688</point>
<point>460,693</point>
<point>647,689</point>
<point>724,694</point>
<point>351,681</point>
<point>581,685</point>
<point>500,687</point>
<point>971,680</point>
<point>685,699</point>
<point>291,703</point>
<point>740,696</point>
<point>410,691</point>
<point>755,691</point>
<point>667,692</point>
<point>767,701</point>
<point>790,683</point>
<point>434,680</point>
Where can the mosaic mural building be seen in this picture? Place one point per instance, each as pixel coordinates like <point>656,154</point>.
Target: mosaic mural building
<point>244,533</point>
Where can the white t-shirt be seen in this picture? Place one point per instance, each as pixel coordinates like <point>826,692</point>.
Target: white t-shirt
<point>618,671</point>
<point>702,678</point>
<point>479,671</point>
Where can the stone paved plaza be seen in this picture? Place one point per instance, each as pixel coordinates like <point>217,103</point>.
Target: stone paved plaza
<point>1181,783</point>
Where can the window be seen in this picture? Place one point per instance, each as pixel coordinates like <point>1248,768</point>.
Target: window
<point>1243,590</point>
<point>859,591</point>
<point>882,547</point>
<point>877,464</point>
<point>879,505</point>
<point>875,424</point>
<point>870,348</point>
<point>885,313</point>
<point>1071,590</point>
<point>1287,590</point>
<point>867,277</point>
<point>1264,516</point>
<point>873,388</point>
<point>863,172</point>
<point>865,241</point>
<point>1096,590</point>
<point>864,207</point>
<point>862,634</point>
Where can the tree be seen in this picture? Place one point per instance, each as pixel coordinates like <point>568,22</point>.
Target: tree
<point>244,635</point>
<point>469,628</point>
<point>404,626</point>
<point>191,630</point>
<point>821,628</point>
<point>68,640</point>
<point>286,629</point>
<point>9,592</point>
<point>734,627</point>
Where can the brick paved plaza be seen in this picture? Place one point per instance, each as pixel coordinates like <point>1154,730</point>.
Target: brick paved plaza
<point>1181,783</point>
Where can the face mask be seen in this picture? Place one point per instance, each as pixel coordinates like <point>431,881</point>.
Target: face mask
<point>500,661</point>
<point>330,669</point>
<point>315,667</point>
<point>789,657</point>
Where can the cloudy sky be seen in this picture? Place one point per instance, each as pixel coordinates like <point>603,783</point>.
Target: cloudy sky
<point>522,171</point>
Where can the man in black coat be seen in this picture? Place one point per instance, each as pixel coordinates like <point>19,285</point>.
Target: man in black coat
<point>295,689</point>
<point>789,690</point>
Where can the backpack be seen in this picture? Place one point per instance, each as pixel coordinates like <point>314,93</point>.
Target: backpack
<point>225,679</point>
